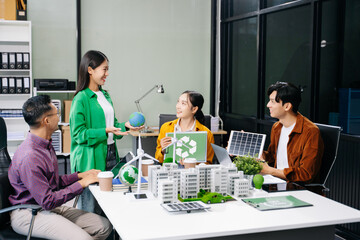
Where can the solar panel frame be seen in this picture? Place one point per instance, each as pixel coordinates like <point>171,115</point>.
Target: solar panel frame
<point>246,143</point>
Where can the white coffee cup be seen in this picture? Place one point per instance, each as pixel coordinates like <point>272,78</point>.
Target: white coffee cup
<point>189,162</point>
<point>105,180</point>
<point>145,166</point>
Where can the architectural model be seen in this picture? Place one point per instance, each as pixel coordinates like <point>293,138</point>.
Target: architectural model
<point>168,181</point>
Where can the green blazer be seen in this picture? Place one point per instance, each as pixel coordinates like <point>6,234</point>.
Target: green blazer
<point>88,135</point>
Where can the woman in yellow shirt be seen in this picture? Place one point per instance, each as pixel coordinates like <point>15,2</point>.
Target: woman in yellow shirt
<point>190,119</point>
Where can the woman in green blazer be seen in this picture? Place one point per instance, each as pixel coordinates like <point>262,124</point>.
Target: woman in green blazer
<point>93,125</point>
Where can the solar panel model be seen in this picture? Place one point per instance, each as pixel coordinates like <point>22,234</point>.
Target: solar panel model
<point>246,143</point>
<point>185,206</point>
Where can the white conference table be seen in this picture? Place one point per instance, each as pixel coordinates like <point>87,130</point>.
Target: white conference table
<point>146,219</point>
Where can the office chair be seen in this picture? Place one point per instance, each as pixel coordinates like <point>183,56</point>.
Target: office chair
<point>4,155</point>
<point>330,136</point>
<point>163,118</point>
<point>6,231</point>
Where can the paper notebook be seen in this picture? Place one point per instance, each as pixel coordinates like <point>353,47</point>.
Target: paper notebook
<point>272,203</point>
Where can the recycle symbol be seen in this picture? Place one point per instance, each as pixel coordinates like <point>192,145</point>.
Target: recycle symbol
<point>190,147</point>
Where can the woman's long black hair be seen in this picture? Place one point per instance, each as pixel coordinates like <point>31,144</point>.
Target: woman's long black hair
<point>197,100</point>
<point>91,59</point>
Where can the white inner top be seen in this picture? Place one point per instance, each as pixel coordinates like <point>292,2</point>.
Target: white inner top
<point>282,155</point>
<point>109,114</point>
<point>178,128</point>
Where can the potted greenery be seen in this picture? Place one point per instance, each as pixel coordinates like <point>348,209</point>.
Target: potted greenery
<point>249,165</point>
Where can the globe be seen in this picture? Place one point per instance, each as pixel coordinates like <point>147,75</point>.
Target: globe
<point>128,175</point>
<point>136,119</point>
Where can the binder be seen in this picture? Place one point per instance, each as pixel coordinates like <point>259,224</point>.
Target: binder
<point>12,61</point>
<point>19,85</point>
<point>4,60</point>
<point>4,85</point>
<point>11,85</point>
<point>19,60</point>
<point>26,85</point>
<point>26,62</point>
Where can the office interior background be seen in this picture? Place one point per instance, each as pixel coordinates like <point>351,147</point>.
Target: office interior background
<point>311,43</point>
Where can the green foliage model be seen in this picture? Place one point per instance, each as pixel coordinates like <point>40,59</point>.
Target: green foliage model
<point>248,164</point>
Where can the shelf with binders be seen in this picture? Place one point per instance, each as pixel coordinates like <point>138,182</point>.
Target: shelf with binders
<point>15,78</point>
<point>15,85</point>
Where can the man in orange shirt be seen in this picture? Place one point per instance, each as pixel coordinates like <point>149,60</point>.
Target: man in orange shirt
<point>296,147</point>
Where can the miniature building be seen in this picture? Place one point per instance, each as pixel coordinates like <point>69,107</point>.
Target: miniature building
<point>151,168</point>
<point>156,176</point>
<point>231,182</point>
<point>232,169</point>
<point>167,190</point>
<point>205,175</point>
<point>241,187</point>
<point>170,166</point>
<point>189,183</point>
<point>176,175</point>
<point>219,180</point>
<point>241,174</point>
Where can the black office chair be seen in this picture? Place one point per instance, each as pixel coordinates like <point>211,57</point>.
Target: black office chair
<point>6,231</point>
<point>4,155</point>
<point>163,118</point>
<point>330,136</point>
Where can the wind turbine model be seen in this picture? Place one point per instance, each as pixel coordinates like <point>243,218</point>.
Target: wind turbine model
<point>140,155</point>
<point>173,143</point>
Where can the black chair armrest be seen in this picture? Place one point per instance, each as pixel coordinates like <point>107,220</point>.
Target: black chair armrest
<point>33,207</point>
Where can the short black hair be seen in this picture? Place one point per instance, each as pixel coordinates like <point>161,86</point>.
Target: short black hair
<point>34,108</point>
<point>287,93</point>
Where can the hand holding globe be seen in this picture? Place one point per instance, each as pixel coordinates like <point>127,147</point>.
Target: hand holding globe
<point>136,121</point>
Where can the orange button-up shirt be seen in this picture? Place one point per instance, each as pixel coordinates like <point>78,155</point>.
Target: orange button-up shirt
<point>305,149</point>
<point>169,127</point>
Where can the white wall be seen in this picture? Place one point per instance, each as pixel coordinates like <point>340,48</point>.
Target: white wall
<point>53,38</point>
<point>148,42</point>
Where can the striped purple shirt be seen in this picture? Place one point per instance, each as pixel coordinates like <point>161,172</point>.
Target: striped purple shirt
<point>34,174</point>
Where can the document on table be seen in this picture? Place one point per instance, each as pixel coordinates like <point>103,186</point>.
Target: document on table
<point>272,203</point>
<point>269,179</point>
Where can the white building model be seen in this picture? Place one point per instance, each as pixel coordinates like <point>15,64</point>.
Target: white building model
<point>151,169</point>
<point>168,191</point>
<point>241,187</point>
<point>231,181</point>
<point>205,175</point>
<point>188,182</point>
<point>219,180</point>
<point>156,176</point>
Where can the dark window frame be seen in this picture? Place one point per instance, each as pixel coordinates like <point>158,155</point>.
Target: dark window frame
<point>225,94</point>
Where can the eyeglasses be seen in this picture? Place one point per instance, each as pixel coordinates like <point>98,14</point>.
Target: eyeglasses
<point>57,113</point>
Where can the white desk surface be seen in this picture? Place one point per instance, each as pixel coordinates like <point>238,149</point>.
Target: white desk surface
<point>146,219</point>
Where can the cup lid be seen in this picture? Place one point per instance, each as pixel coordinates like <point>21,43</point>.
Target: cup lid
<point>190,160</point>
<point>147,161</point>
<point>106,174</point>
